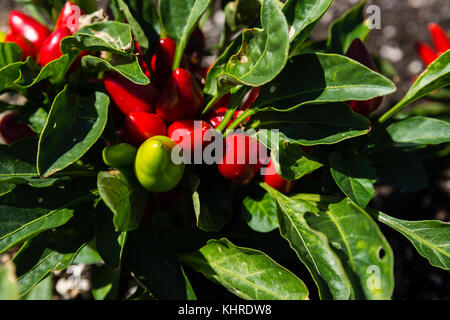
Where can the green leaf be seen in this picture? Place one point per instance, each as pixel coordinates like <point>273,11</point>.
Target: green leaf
<point>154,265</point>
<point>138,32</point>
<point>302,16</point>
<point>42,210</point>
<point>109,243</point>
<point>108,36</point>
<point>429,237</point>
<point>179,18</point>
<point>419,131</point>
<point>18,164</point>
<point>436,76</point>
<point>219,67</point>
<point>259,210</point>
<point>215,212</point>
<point>9,53</point>
<point>263,53</point>
<point>42,291</point>
<point>124,197</point>
<point>127,67</point>
<point>321,78</point>
<point>8,282</point>
<point>239,14</point>
<point>73,125</point>
<point>53,250</point>
<point>347,28</point>
<point>364,251</point>
<point>292,163</point>
<point>312,247</point>
<point>6,188</point>
<point>88,255</point>
<point>248,273</point>
<point>105,283</point>
<point>54,71</point>
<point>10,64</point>
<point>355,177</point>
<point>312,125</point>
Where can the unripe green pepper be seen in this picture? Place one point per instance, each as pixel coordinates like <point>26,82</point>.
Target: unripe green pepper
<point>120,155</point>
<point>154,167</point>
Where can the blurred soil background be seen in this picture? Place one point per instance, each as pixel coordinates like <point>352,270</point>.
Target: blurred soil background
<point>402,23</point>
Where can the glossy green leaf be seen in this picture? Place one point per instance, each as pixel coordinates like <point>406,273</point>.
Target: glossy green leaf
<point>263,53</point>
<point>312,247</point>
<point>354,176</point>
<point>42,210</point>
<point>259,210</point>
<point>88,255</point>
<point>127,67</point>
<point>239,14</point>
<point>348,27</point>
<point>436,76</point>
<point>124,197</point>
<point>292,163</point>
<point>108,36</point>
<point>8,282</point>
<point>247,273</point>
<point>109,243</point>
<point>364,251</point>
<point>302,16</point>
<point>429,237</point>
<point>5,188</point>
<point>321,78</point>
<point>420,130</point>
<point>138,31</point>
<point>105,283</point>
<point>42,291</point>
<point>312,125</point>
<point>54,71</point>
<point>179,18</point>
<point>74,124</point>
<point>10,64</point>
<point>219,67</point>
<point>215,212</point>
<point>53,250</point>
<point>18,164</point>
<point>154,265</point>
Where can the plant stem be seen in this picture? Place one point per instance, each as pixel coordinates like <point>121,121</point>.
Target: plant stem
<point>212,102</point>
<point>241,119</point>
<point>388,114</point>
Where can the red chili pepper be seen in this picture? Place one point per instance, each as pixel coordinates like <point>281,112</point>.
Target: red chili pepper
<point>190,137</point>
<point>11,130</point>
<point>241,159</point>
<point>69,17</point>
<point>273,179</point>
<point>440,39</point>
<point>217,116</point>
<point>128,96</point>
<point>51,48</point>
<point>29,28</point>
<point>141,126</point>
<point>358,52</point>
<point>162,62</point>
<point>28,49</point>
<point>253,95</point>
<point>181,99</point>
<point>427,54</point>
<point>141,60</point>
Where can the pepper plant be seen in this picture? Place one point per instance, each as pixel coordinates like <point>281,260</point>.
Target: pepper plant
<point>86,173</point>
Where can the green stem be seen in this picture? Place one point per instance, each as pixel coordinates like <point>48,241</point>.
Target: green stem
<point>388,114</point>
<point>241,119</point>
<point>315,197</point>
<point>212,102</point>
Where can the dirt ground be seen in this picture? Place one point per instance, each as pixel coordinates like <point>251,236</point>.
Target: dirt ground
<point>402,23</point>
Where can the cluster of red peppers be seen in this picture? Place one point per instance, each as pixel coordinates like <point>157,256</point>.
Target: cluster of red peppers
<point>36,41</point>
<point>155,117</point>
